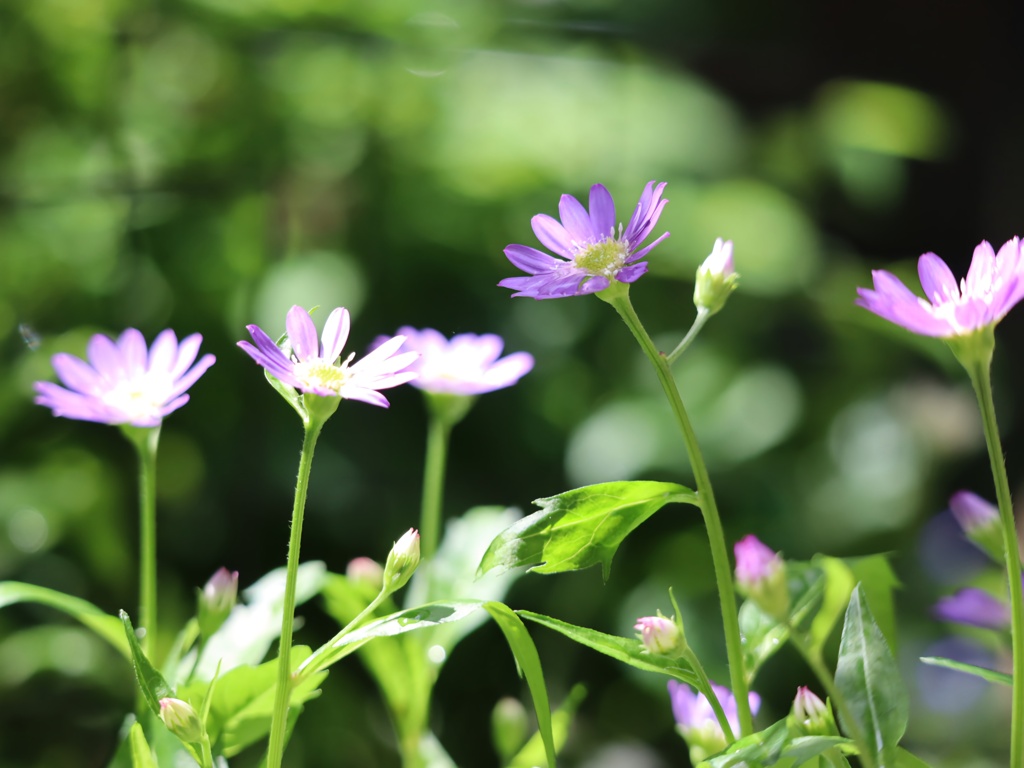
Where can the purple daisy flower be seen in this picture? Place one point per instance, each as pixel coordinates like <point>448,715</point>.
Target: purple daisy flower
<point>696,721</point>
<point>588,252</point>
<point>466,364</point>
<point>124,382</point>
<point>992,287</point>
<point>310,366</point>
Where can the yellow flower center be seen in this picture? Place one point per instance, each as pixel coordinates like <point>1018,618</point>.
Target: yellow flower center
<point>604,258</point>
<point>322,374</point>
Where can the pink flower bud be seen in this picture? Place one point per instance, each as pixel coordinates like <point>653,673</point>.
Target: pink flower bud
<point>660,636</point>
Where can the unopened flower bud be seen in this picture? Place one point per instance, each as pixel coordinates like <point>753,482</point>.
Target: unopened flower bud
<point>510,727</point>
<point>181,720</point>
<point>716,278</point>
<point>365,571</point>
<point>661,636</point>
<point>980,522</point>
<point>761,576</point>
<point>216,599</point>
<point>812,716</point>
<point>403,559</point>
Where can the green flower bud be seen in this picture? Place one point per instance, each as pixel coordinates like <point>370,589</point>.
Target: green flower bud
<point>716,278</point>
<point>181,720</point>
<point>402,562</point>
<point>811,715</point>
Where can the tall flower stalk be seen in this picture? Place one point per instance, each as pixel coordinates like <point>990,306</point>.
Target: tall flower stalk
<point>145,441</point>
<point>618,296</point>
<point>309,374</point>
<point>964,315</point>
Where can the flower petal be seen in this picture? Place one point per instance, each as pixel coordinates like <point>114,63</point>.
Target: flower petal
<point>76,373</point>
<point>134,356</point>
<point>530,260</point>
<point>302,334</point>
<point>164,352</point>
<point>335,334</point>
<point>937,279</point>
<point>576,221</point>
<point>552,235</point>
<point>602,211</point>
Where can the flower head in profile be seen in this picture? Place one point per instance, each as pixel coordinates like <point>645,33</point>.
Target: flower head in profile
<point>696,721</point>
<point>589,251</point>
<point>761,576</point>
<point>466,364</point>
<point>312,366</point>
<point>123,382</point>
<point>979,520</point>
<point>992,287</point>
<point>716,278</point>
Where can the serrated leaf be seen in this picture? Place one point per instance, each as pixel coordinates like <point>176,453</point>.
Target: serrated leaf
<point>528,662</point>
<point>869,680</point>
<point>103,624</point>
<point>151,682</point>
<point>142,756</point>
<point>990,675</point>
<point>580,528</point>
<point>627,650</point>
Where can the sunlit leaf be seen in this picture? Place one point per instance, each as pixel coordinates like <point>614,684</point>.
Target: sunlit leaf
<point>103,624</point>
<point>869,679</point>
<point>142,756</point>
<point>628,650</point>
<point>152,683</point>
<point>528,662</point>
<point>580,528</point>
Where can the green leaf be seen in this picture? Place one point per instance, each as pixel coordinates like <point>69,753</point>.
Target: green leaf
<point>152,683</point>
<point>985,674</point>
<point>627,650</point>
<point>142,756</point>
<point>762,748</point>
<point>103,624</point>
<point>869,680</point>
<point>761,635</point>
<point>532,753</point>
<point>528,662</point>
<point>409,620</point>
<point>580,528</point>
<point>839,583</point>
<point>878,581</point>
<point>803,748</point>
<point>905,759</point>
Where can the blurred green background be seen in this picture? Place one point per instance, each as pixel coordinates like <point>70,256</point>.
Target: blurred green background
<point>203,164</point>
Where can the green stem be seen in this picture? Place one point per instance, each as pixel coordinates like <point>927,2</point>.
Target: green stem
<point>145,441</point>
<point>698,323</point>
<point>814,661</point>
<point>618,297</point>
<point>709,694</point>
<point>321,657</point>
<point>438,432</point>
<point>279,719</point>
<point>981,379</point>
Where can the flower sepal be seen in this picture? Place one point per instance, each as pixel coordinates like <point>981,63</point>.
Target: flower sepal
<point>291,396</point>
<point>974,349</point>
<point>449,408</point>
<point>317,409</point>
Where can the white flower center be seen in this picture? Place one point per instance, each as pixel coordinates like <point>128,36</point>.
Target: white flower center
<point>320,374</point>
<point>140,398</point>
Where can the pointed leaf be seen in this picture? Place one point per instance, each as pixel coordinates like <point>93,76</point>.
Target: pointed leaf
<point>152,683</point>
<point>142,756</point>
<point>580,528</point>
<point>528,662</point>
<point>839,583</point>
<point>905,759</point>
<point>103,624</point>
<point>878,581</point>
<point>532,753</point>
<point>869,679</point>
<point>627,650</point>
<point>985,674</point>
